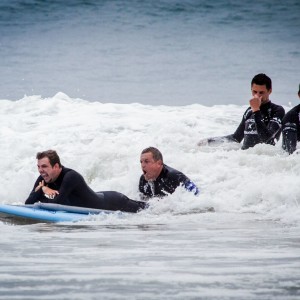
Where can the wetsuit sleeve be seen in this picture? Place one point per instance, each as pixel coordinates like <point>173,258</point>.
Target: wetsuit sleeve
<point>70,181</point>
<point>236,137</point>
<point>289,137</point>
<point>289,130</point>
<point>220,140</point>
<point>35,196</point>
<point>239,133</point>
<point>191,187</point>
<point>272,130</point>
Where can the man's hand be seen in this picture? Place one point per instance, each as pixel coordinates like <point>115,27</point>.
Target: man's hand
<point>203,142</point>
<point>255,103</point>
<point>41,184</point>
<point>49,193</point>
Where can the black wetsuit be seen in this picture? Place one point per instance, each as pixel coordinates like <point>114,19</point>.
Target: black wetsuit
<point>74,191</point>
<point>263,126</point>
<point>166,183</point>
<point>291,129</point>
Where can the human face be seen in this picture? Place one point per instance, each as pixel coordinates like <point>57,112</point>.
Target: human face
<point>48,172</point>
<point>150,167</point>
<point>261,92</point>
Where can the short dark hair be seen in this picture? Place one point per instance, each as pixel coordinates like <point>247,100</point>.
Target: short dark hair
<point>262,79</point>
<point>155,153</point>
<point>52,156</point>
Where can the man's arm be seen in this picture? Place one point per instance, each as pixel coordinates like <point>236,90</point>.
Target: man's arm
<point>236,137</point>
<point>70,181</point>
<point>289,129</point>
<point>268,132</point>
<point>289,137</point>
<point>217,140</point>
<point>37,193</point>
<point>191,187</point>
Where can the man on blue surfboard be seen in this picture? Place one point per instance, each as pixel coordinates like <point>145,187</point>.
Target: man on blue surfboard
<point>61,185</point>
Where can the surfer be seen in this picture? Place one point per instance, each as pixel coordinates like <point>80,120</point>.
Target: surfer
<point>61,185</point>
<point>261,122</point>
<point>291,128</point>
<point>158,179</point>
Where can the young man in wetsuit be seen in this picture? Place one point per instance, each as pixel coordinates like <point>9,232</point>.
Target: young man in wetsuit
<point>158,179</point>
<point>261,122</point>
<point>291,128</point>
<point>57,184</point>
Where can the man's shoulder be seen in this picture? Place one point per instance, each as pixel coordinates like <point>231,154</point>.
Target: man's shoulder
<point>295,109</point>
<point>247,113</point>
<point>70,172</point>
<point>275,106</point>
<point>167,169</point>
<point>272,110</point>
<point>171,172</point>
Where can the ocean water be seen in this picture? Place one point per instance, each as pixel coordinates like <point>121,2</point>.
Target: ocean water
<point>247,249</point>
<point>168,52</point>
<point>99,81</point>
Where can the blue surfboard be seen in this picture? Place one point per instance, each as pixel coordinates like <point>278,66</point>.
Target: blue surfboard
<point>46,212</point>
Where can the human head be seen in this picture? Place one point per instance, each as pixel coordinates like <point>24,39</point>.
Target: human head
<point>151,163</point>
<point>49,165</point>
<point>299,91</point>
<point>261,87</point>
<point>52,156</point>
<point>262,79</point>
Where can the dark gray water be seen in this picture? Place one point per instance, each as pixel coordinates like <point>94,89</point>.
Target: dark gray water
<point>153,52</point>
<point>213,257</point>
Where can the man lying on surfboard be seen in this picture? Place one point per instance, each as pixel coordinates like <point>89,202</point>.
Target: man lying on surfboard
<point>61,185</point>
<point>158,179</point>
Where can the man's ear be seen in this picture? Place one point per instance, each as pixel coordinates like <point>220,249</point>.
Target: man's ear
<point>56,166</point>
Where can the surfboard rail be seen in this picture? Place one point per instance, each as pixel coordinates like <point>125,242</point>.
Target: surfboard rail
<point>46,212</point>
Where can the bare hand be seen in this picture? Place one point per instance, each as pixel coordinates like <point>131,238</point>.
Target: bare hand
<point>255,103</point>
<point>41,184</point>
<point>203,142</point>
<point>49,193</point>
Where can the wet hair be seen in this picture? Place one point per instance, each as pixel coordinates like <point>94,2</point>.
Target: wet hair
<point>155,153</point>
<point>52,156</point>
<point>262,79</point>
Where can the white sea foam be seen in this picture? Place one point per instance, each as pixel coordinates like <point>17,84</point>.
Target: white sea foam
<point>103,142</point>
<point>152,52</point>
